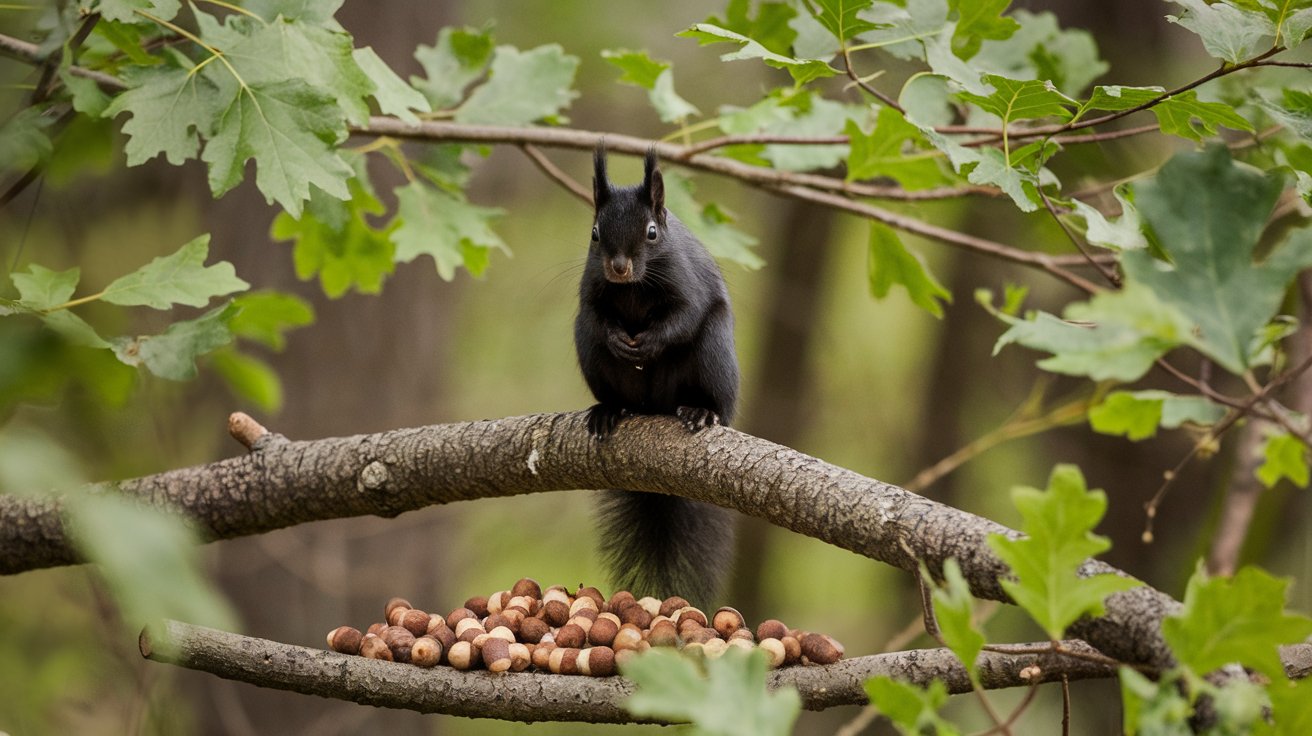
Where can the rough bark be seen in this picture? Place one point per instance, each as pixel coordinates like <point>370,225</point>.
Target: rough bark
<point>531,696</point>
<point>282,483</point>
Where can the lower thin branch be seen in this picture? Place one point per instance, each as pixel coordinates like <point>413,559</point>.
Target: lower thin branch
<point>531,696</point>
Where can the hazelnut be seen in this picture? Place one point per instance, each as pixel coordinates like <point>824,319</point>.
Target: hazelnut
<point>820,649</point>
<point>532,629</point>
<point>435,622</point>
<point>688,613</point>
<point>603,630</point>
<point>527,587</point>
<point>636,615</point>
<point>502,632</point>
<point>650,605</point>
<point>497,601</point>
<point>715,648</point>
<point>555,612</point>
<point>557,593</point>
<point>496,654</point>
<point>444,636</point>
<point>395,616</point>
<point>774,650</point>
<point>465,625</point>
<point>520,657</point>
<point>597,662</point>
<point>771,629</point>
<point>687,625</point>
<point>415,621</point>
<point>426,651</point>
<point>663,634</point>
<point>394,603</point>
<point>525,603</point>
<point>542,656</point>
<point>394,635</point>
<point>628,637</point>
<point>592,593</point>
<point>616,601</point>
<point>373,647</point>
<point>584,602</point>
<point>792,649</point>
<point>496,619</point>
<point>727,620</point>
<point>743,635</point>
<point>564,661</point>
<point>571,636</point>
<point>699,635</point>
<point>459,615</point>
<point>477,605</point>
<point>376,628</point>
<point>463,655</point>
<point>583,622</point>
<point>672,604</point>
<point>345,639</point>
<point>622,656</point>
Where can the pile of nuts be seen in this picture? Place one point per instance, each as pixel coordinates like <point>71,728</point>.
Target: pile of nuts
<point>579,634</point>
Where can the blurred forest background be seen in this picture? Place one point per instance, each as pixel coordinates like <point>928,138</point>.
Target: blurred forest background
<point>883,388</point>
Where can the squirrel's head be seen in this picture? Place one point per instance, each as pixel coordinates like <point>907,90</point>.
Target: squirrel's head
<point>629,228</point>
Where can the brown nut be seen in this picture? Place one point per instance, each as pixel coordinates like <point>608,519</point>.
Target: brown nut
<point>771,628</point>
<point>497,619</point>
<point>393,635</point>
<point>564,661</point>
<point>376,628</point>
<point>395,603</point>
<point>557,593</point>
<point>663,634</point>
<point>597,662</point>
<point>689,613</point>
<point>699,635</point>
<point>542,656</point>
<point>373,647</point>
<point>742,635</point>
<point>478,605</point>
<point>622,656</point>
<point>435,622</point>
<point>502,632</point>
<point>583,622</point>
<point>688,625</point>
<point>628,637</point>
<point>792,649</point>
<point>636,615</point>
<point>466,625</point>
<point>446,637</point>
<point>621,598</point>
<point>584,602</point>
<point>603,630</point>
<point>395,615</point>
<point>593,593</point>
<point>415,621</point>
<point>527,587</point>
<point>459,615</point>
<point>496,654</point>
<point>497,601</point>
<point>532,629</point>
<point>727,620</point>
<point>520,657</point>
<point>571,636</point>
<point>426,651</point>
<point>555,612</point>
<point>672,604</point>
<point>463,656</point>
<point>345,639</point>
<point>819,649</point>
<point>774,650</point>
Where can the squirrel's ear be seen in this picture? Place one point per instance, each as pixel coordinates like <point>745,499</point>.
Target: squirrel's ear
<point>654,184</point>
<point>600,184</point>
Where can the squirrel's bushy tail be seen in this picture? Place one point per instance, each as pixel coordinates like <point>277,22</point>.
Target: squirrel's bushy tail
<point>662,546</point>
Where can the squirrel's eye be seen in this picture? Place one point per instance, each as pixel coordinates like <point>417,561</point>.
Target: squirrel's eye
<point>596,234</point>
<point>651,231</point>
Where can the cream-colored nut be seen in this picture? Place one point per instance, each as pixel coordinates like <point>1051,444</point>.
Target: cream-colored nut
<point>774,649</point>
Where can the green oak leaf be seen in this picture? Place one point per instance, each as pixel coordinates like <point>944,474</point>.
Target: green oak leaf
<point>730,699</point>
<point>978,20</point>
<point>249,378</point>
<point>889,262</point>
<point>811,116</point>
<point>523,86</point>
<point>334,240</point>
<point>265,316</point>
<point>1123,233</point>
<point>172,354</point>
<point>912,709</point>
<point>1138,414</point>
<point>41,289</point>
<point>654,76</point>
<point>710,224</point>
<point>311,11</point>
<point>1058,527</point>
<point>1284,456</point>
<point>1228,32</point>
<point>802,70</point>
<point>171,106</point>
<point>1114,336</point>
<point>987,166</point>
<point>953,610</point>
<point>1238,619</point>
<point>394,96</point>
<point>454,232</point>
<point>1041,49</point>
<point>459,57</point>
<point>1014,100</point>
<point>903,31</point>
<point>890,150</point>
<point>179,278</point>
<point>1207,214</point>
<point>1182,115</point>
<point>841,17</point>
<point>771,26</point>
<point>128,11</point>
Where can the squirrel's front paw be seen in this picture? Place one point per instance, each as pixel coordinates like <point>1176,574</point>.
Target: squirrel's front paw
<point>603,419</point>
<point>697,418</point>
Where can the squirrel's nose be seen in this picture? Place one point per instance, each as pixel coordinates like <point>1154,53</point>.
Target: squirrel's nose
<point>620,268</point>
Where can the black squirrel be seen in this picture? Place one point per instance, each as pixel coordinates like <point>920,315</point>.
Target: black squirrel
<point>654,335</point>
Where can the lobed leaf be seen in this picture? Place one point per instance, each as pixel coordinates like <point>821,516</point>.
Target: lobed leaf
<point>172,354</point>
<point>1228,32</point>
<point>654,76</point>
<point>953,611</point>
<point>171,107</point>
<point>802,70</point>
<point>889,262</point>
<point>394,96</point>
<point>334,240</point>
<point>1014,100</point>
<point>890,150</point>
<point>730,699</point>
<point>1138,414</point>
<point>459,57</point>
<point>265,316</point>
<point>912,709</point>
<point>523,87</point>
<point>1283,456</point>
<point>978,20</point>
<point>179,278</point>
<point>841,17</point>
<point>709,223</point>
<point>1058,524</point>
<point>454,232</point>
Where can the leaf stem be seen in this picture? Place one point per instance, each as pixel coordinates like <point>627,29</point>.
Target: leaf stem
<point>236,9</point>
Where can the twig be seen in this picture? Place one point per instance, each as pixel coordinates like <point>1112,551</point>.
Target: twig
<point>555,174</point>
<point>23,51</point>
<point>863,84</point>
<point>245,430</point>
<point>1065,706</point>
<point>1106,271</point>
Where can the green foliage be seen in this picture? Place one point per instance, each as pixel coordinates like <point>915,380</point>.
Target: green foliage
<point>1012,100</point>
<point>1058,527</point>
<point>1153,708</point>
<point>266,316</point>
<point>455,233</point>
<point>1138,414</point>
<point>892,149</point>
<point>23,141</point>
<point>172,354</point>
<point>802,70</point>
<point>334,240</point>
<point>954,611</point>
<point>978,20</point>
<point>727,698</point>
<point>523,86</point>
<point>180,278</point>
<point>1284,456</point>
<point>1239,619</point>
<point>1229,32</point>
<point>457,59</point>
<point>841,17</point>
<point>711,224</point>
<point>889,262</point>
<point>654,76</point>
<point>912,709</point>
<point>1122,233</point>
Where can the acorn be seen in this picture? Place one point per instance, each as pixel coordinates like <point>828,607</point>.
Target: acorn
<point>477,605</point>
<point>628,637</point>
<point>376,628</point>
<point>564,661</point>
<point>663,634</point>
<point>604,629</point>
<point>571,636</point>
<point>394,603</point>
<point>542,656</point>
<point>727,620</point>
<point>771,629</point>
<point>620,598</point>
<point>672,604</point>
<point>415,621</point>
<point>774,650</point>
<point>426,651</point>
<point>527,587</point>
<point>373,647</point>
<point>520,657</point>
<point>593,593</point>
<point>345,639</point>
<point>532,629</point>
<point>459,615</point>
<point>596,661</point>
<point>555,612</point>
<point>792,649</point>
<point>820,649</point>
<point>463,656</point>
<point>496,654</point>
<point>636,615</point>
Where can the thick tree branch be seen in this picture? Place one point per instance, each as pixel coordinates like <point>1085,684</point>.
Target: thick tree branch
<point>531,696</point>
<point>283,483</point>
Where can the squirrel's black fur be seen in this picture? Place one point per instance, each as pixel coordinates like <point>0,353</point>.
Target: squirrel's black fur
<point>654,335</point>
